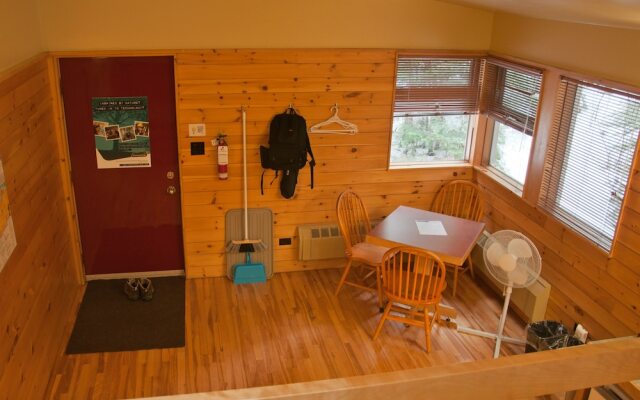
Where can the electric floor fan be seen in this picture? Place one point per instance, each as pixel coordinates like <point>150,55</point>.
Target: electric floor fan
<point>514,261</point>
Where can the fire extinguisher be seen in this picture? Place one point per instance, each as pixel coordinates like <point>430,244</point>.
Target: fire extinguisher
<point>223,156</point>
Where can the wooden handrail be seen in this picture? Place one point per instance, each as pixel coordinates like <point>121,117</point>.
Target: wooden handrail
<point>515,377</point>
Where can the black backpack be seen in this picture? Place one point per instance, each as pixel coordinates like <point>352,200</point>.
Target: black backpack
<point>287,152</point>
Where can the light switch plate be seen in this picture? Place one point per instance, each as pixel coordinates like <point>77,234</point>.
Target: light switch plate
<point>197,130</point>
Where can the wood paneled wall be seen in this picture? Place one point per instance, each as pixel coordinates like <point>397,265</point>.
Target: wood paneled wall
<point>601,292</point>
<point>212,85</point>
<point>39,289</point>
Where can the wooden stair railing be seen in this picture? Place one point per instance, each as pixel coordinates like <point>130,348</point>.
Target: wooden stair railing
<point>522,376</point>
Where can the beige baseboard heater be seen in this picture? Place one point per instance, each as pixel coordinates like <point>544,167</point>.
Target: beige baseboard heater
<point>319,242</point>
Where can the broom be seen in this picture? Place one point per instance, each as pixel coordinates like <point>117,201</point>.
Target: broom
<point>246,245</point>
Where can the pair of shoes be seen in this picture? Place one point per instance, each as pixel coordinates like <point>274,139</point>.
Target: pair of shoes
<point>139,288</point>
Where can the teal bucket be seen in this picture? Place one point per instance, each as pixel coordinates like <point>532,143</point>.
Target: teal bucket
<point>249,272</point>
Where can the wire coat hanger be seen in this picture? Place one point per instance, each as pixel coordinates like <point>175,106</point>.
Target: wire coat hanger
<point>348,128</point>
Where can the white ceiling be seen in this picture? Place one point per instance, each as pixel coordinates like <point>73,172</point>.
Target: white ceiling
<point>616,13</point>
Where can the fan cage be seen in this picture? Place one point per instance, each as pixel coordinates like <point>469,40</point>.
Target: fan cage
<point>527,269</point>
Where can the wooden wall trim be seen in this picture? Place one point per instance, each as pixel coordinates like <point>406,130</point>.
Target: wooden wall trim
<point>544,128</point>
<point>65,169</point>
<point>520,376</point>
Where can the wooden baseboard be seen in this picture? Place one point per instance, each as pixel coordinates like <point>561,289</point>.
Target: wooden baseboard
<point>152,274</point>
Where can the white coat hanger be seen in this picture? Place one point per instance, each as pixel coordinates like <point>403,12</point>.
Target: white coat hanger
<point>347,128</point>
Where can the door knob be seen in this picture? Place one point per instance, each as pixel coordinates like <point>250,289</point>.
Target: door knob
<point>170,175</point>
<point>171,190</point>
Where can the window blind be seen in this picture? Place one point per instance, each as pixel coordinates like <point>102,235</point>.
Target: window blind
<point>510,94</point>
<point>428,85</point>
<point>591,150</point>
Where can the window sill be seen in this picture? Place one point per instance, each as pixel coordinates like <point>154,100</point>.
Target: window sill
<point>430,165</point>
<point>499,179</point>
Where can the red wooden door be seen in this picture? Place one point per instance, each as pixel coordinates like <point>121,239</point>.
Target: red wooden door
<point>128,220</point>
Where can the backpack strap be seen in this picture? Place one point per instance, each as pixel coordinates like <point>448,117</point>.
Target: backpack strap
<point>262,180</point>
<point>312,162</point>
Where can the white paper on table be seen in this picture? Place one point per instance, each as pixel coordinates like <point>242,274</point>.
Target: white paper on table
<point>434,228</point>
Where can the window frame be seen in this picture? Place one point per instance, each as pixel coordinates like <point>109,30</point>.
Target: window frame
<point>507,181</point>
<point>486,133</point>
<point>441,163</point>
<point>567,108</point>
<point>473,117</point>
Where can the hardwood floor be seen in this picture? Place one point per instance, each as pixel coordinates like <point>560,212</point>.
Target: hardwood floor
<point>291,329</point>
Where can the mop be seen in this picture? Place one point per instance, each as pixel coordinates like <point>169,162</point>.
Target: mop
<point>248,272</point>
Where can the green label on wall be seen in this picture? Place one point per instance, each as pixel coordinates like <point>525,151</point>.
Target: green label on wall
<point>121,129</point>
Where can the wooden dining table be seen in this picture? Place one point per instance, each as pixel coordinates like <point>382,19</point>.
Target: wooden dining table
<point>450,238</point>
<point>400,228</point>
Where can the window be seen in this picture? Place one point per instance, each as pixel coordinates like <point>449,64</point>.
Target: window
<point>510,96</point>
<point>434,99</point>
<point>589,158</point>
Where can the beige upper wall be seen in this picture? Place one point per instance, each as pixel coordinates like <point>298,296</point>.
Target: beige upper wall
<point>31,26</point>
<point>20,36</point>
<point>604,52</point>
<point>189,24</point>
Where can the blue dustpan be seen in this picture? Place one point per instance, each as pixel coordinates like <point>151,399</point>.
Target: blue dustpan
<point>249,272</point>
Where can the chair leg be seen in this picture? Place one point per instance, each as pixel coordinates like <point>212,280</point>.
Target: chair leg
<point>455,280</point>
<point>382,319</point>
<point>427,331</point>
<point>347,268</point>
<point>379,285</point>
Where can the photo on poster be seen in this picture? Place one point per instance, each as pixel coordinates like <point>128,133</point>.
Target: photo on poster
<point>142,128</point>
<point>126,140</point>
<point>127,134</point>
<point>99,128</point>
<point>112,132</point>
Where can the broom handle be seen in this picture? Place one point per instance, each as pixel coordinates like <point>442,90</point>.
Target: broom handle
<point>244,171</point>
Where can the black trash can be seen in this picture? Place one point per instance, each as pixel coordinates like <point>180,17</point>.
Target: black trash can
<point>548,335</point>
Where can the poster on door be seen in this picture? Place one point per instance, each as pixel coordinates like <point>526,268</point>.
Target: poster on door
<point>7,233</point>
<point>121,130</point>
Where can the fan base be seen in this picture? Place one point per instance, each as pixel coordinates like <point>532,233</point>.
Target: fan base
<point>489,335</point>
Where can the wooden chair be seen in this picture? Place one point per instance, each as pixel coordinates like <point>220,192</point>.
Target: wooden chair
<point>459,199</point>
<point>414,278</point>
<point>354,226</point>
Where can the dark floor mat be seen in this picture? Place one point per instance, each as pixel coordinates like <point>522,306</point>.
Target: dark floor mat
<point>109,321</point>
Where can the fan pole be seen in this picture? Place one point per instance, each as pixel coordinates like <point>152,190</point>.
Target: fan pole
<point>503,319</point>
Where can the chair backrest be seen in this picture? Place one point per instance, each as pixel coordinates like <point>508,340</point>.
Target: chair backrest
<point>459,199</point>
<point>352,219</point>
<point>412,276</point>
